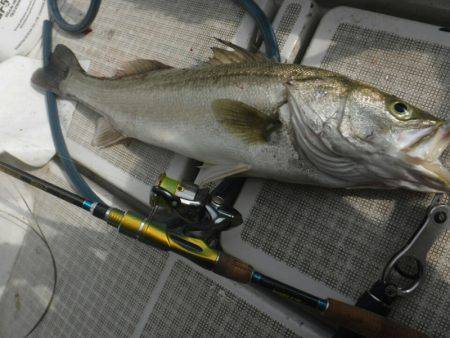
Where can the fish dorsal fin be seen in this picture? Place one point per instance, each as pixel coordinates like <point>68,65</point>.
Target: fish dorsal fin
<point>140,66</point>
<point>237,55</point>
<point>212,173</point>
<point>105,134</point>
<point>244,121</point>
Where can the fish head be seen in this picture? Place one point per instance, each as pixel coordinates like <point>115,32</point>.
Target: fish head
<point>406,138</point>
<point>369,138</point>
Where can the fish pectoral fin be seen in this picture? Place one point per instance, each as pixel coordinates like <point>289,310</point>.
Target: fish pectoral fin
<point>211,173</point>
<point>237,55</point>
<point>244,121</point>
<point>140,66</point>
<point>105,134</point>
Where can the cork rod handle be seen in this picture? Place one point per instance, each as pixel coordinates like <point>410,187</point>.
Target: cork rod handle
<point>233,268</point>
<point>366,323</point>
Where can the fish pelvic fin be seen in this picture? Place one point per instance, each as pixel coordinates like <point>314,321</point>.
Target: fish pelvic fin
<point>237,55</point>
<point>140,66</point>
<point>62,62</point>
<point>211,173</point>
<point>244,121</point>
<point>105,134</point>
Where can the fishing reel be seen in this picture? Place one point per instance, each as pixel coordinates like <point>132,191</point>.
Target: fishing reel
<point>200,213</point>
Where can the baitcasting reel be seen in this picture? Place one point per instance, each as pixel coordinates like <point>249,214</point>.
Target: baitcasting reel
<point>204,214</point>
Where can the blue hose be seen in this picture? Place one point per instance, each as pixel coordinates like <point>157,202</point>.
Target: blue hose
<point>78,28</point>
<point>58,139</point>
<point>265,28</point>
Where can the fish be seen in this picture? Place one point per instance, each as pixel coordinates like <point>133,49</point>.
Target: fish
<point>241,114</point>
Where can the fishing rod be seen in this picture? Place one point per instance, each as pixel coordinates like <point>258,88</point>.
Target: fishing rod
<point>179,195</point>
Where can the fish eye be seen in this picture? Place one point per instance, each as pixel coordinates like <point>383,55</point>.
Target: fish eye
<point>400,110</point>
<point>400,107</point>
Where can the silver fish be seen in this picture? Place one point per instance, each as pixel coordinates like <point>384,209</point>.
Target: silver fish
<point>241,114</point>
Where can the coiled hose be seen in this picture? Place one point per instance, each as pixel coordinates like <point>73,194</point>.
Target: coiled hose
<point>77,28</point>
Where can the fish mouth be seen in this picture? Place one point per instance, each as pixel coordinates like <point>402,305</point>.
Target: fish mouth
<point>423,153</point>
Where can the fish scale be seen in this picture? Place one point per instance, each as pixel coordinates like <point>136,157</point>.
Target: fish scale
<point>241,114</point>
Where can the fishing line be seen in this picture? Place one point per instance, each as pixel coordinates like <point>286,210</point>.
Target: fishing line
<point>55,278</point>
<point>43,238</point>
<point>78,182</point>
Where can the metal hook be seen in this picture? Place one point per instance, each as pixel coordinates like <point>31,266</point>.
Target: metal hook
<point>417,248</point>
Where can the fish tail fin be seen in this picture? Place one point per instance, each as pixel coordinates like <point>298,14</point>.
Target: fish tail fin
<point>62,62</point>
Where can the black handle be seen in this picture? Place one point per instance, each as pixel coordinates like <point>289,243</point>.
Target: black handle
<point>229,189</point>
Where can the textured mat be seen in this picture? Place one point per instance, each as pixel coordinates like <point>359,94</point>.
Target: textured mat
<point>293,27</point>
<point>287,23</point>
<point>344,238</point>
<point>218,312</point>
